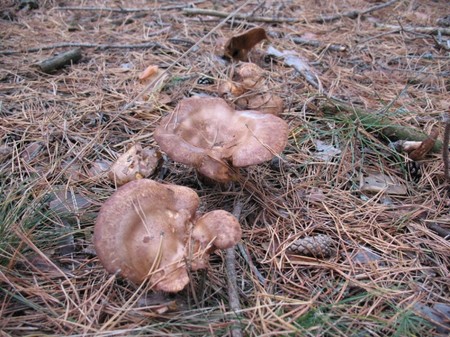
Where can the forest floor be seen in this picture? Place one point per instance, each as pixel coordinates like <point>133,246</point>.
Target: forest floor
<point>385,214</point>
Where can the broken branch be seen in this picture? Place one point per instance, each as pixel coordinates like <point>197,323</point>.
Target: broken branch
<point>199,11</point>
<point>84,45</point>
<point>422,30</point>
<point>123,10</point>
<point>319,44</point>
<point>59,61</point>
<point>445,148</point>
<point>230,265</point>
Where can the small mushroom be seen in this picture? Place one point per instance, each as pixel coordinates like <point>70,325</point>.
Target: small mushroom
<point>148,230</point>
<point>209,135</point>
<point>136,163</point>
<point>251,90</point>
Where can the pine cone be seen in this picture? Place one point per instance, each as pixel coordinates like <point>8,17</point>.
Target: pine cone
<point>316,246</point>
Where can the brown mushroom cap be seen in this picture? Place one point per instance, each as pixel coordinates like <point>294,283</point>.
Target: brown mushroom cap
<point>214,230</point>
<point>219,228</point>
<point>141,221</point>
<point>211,136</point>
<point>144,231</point>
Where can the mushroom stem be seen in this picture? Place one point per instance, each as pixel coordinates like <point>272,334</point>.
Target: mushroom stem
<point>230,265</point>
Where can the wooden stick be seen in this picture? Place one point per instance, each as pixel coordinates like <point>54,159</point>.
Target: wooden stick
<point>322,19</point>
<point>230,266</point>
<point>422,30</point>
<point>318,44</point>
<point>354,14</point>
<point>445,148</point>
<point>442,232</point>
<point>83,45</point>
<point>124,10</point>
<point>57,62</point>
<point>210,12</point>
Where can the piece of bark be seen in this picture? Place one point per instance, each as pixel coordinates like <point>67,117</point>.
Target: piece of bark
<point>425,147</point>
<point>57,62</point>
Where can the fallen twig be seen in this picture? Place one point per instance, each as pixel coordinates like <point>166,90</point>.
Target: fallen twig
<point>83,45</point>
<point>440,44</point>
<point>59,61</point>
<point>247,258</point>
<point>442,232</point>
<point>124,10</point>
<point>230,265</point>
<point>445,147</point>
<point>199,11</point>
<point>354,14</point>
<point>319,44</point>
<point>422,30</point>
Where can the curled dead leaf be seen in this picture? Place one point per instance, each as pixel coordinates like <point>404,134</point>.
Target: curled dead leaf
<point>238,47</point>
<point>148,73</point>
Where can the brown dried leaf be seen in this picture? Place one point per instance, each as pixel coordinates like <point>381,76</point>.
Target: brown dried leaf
<point>148,73</point>
<point>238,47</point>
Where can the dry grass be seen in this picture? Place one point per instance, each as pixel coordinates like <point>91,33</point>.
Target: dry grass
<point>55,127</point>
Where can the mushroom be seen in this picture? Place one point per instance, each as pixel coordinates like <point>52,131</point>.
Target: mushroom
<point>136,163</point>
<point>149,230</point>
<point>209,135</point>
<point>251,90</point>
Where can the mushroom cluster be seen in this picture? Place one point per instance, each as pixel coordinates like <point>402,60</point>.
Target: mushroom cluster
<point>209,135</point>
<point>149,230</point>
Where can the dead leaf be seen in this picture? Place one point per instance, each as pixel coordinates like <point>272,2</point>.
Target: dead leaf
<point>365,255</point>
<point>73,170</point>
<point>439,315</point>
<point>98,168</point>
<point>5,151</point>
<point>148,73</point>
<point>292,59</point>
<point>238,47</point>
<point>31,151</point>
<point>377,182</point>
<point>67,202</point>
<point>325,151</point>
